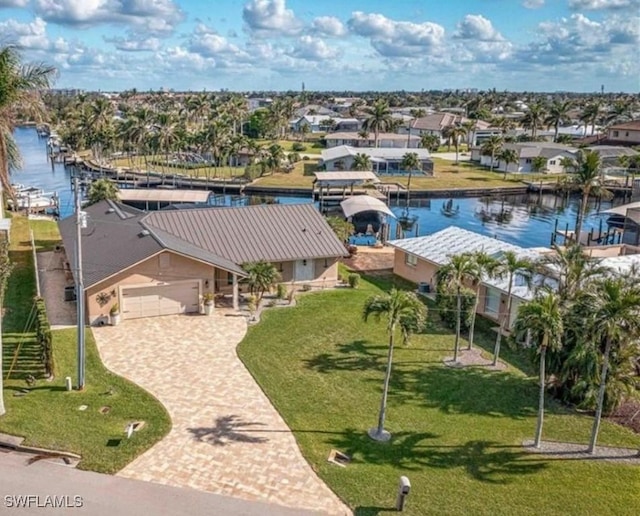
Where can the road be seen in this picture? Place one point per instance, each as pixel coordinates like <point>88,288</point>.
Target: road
<point>39,486</point>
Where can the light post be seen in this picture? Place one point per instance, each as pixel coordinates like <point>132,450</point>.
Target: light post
<point>81,223</point>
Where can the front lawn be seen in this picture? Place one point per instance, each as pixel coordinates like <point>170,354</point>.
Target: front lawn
<point>457,434</point>
<point>48,415</point>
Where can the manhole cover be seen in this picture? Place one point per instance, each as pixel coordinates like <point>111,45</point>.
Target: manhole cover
<point>105,410</point>
<point>339,458</point>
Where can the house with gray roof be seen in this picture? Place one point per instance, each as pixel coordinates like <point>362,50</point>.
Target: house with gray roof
<point>384,161</point>
<point>553,153</point>
<point>418,260</point>
<point>164,262</point>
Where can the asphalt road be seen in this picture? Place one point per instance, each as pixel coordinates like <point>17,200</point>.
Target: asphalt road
<point>48,488</point>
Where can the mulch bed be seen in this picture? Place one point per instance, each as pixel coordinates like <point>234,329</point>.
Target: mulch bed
<point>628,414</point>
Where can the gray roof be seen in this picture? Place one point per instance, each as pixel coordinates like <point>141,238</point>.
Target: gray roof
<point>110,243</point>
<point>277,232</point>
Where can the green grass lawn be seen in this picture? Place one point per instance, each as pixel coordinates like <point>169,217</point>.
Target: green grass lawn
<point>48,416</point>
<point>138,163</point>
<point>457,434</point>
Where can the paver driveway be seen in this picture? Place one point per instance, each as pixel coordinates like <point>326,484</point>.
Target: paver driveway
<point>226,437</point>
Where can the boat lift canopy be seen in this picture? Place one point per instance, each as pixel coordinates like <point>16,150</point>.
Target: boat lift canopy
<point>345,178</point>
<point>360,203</point>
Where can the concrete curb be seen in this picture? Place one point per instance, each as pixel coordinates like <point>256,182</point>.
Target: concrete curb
<point>15,443</point>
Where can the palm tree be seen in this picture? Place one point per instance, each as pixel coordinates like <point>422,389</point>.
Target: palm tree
<point>538,164</point>
<point>470,128</point>
<point>512,266</point>
<point>361,161</point>
<point>588,180</point>
<point>341,227</point>
<point>508,156</point>
<point>378,118</point>
<point>456,133</point>
<point>491,147</point>
<point>534,118</point>
<point>400,309</point>
<point>275,157</point>
<point>101,190</point>
<point>558,114</point>
<point>262,276</point>
<point>20,86</point>
<point>484,266</point>
<point>542,320</point>
<point>590,115</point>
<point>410,161</point>
<point>5,272</point>
<point>615,304</point>
<point>461,269</point>
<point>430,141</point>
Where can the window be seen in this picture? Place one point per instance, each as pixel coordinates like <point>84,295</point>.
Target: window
<point>528,160</point>
<point>615,133</point>
<point>410,260</point>
<point>492,301</point>
<point>627,133</point>
<point>552,162</point>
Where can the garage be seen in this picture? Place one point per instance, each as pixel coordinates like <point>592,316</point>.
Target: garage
<point>173,298</point>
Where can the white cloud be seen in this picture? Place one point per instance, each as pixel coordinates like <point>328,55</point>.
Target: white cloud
<point>270,16</point>
<point>133,44</point>
<point>328,26</point>
<point>155,16</point>
<point>593,5</point>
<point>206,42</point>
<point>532,4</point>
<point>29,36</point>
<point>397,38</point>
<point>313,49</point>
<point>477,27</point>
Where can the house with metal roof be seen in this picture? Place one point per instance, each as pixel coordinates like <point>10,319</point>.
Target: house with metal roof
<point>356,139</point>
<point>164,262</point>
<point>418,260</point>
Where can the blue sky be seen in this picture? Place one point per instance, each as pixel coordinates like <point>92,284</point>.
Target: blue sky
<point>245,45</point>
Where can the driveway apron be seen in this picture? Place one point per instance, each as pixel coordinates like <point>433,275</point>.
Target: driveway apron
<point>226,436</point>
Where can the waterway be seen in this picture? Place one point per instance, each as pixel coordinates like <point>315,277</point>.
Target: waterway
<point>524,220</point>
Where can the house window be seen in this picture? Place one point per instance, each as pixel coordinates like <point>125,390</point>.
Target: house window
<point>552,162</point>
<point>164,261</point>
<point>492,301</point>
<point>615,133</point>
<point>528,160</point>
<point>627,133</point>
<point>410,260</point>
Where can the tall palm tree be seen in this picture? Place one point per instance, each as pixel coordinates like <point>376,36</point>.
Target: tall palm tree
<point>491,147</point>
<point>615,305</point>
<point>378,118</point>
<point>558,114</point>
<point>470,128</point>
<point>534,118</point>
<point>166,135</point>
<point>5,272</point>
<point>590,115</point>
<point>456,133</point>
<point>20,87</point>
<point>430,141</point>
<point>361,161</point>
<point>460,270</point>
<point>410,161</point>
<point>510,265</point>
<point>400,310</point>
<point>484,267</point>
<point>508,157</point>
<point>588,180</point>
<point>542,320</point>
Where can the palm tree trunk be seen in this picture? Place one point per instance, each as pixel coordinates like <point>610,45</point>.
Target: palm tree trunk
<point>385,389</point>
<point>458,324</point>
<point>503,323</point>
<point>473,319</point>
<point>583,208</point>
<point>538,437</point>
<point>601,392</point>
<point>2,408</point>
<point>409,187</point>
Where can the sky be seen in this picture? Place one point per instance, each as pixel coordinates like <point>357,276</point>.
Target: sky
<point>355,45</point>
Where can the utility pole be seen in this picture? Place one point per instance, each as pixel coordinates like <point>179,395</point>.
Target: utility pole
<point>81,222</point>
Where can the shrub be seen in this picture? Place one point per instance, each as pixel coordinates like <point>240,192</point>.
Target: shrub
<point>306,287</point>
<point>447,302</point>
<point>298,147</point>
<point>354,280</point>
<point>43,334</point>
<point>281,291</point>
<point>252,172</point>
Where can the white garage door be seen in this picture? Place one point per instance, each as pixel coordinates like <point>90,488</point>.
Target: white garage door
<point>177,298</point>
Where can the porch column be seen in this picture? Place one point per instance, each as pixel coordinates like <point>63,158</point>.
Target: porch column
<point>236,304</point>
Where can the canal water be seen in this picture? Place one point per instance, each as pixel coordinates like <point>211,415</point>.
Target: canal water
<point>525,220</point>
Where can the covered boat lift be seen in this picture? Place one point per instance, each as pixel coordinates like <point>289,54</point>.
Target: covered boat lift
<point>330,188</point>
<point>368,216</point>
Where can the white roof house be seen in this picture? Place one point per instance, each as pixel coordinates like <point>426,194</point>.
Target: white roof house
<point>382,153</point>
<point>440,246</point>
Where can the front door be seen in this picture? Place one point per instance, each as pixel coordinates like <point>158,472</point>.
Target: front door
<point>304,270</point>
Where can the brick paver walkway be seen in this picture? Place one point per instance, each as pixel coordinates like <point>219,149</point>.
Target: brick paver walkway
<point>226,437</point>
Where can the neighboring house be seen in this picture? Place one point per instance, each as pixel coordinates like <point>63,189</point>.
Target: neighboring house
<point>627,133</point>
<point>383,160</point>
<point>323,123</point>
<point>418,259</point>
<point>315,109</point>
<point>610,154</point>
<point>526,152</point>
<point>385,140</point>
<point>163,262</point>
<point>437,123</point>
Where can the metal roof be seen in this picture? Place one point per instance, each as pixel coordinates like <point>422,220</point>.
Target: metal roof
<point>361,203</point>
<point>277,232</point>
<point>340,178</point>
<point>622,209</point>
<point>439,247</point>
<point>160,195</point>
